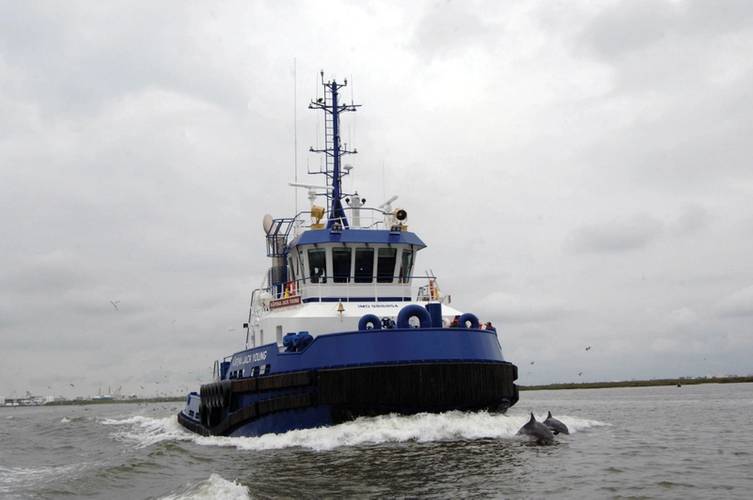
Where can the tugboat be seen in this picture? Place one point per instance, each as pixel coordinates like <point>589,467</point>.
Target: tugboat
<point>341,327</point>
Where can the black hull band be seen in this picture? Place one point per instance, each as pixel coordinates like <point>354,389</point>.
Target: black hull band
<point>359,391</point>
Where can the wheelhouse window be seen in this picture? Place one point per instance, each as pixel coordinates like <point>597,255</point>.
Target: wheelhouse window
<point>386,258</point>
<point>406,265</point>
<point>341,264</point>
<point>318,265</point>
<point>364,271</point>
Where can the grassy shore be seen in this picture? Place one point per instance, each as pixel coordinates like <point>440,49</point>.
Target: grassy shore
<point>640,383</point>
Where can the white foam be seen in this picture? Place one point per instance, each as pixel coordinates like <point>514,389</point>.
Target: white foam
<point>65,420</point>
<point>424,427</point>
<point>18,478</point>
<point>148,431</point>
<point>214,487</point>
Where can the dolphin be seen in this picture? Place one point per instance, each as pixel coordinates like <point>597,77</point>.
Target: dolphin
<point>555,425</point>
<point>537,431</point>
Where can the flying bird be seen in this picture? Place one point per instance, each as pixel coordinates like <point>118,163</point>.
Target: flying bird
<point>115,304</point>
<point>72,385</point>
<point>588,348</point>
<point>580,373</point>
<point>533,362</point>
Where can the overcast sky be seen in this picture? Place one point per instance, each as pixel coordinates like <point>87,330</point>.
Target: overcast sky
<point>581,172</point>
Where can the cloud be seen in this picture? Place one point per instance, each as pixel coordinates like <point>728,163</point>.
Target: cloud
<point>508,308</point>
<point>692,220</point>
<point>619,235</point>
<point>628,26</point>
<point>736,304</point>
<point>449,27</point>
<point>139,148</point>
<point>55,272</point>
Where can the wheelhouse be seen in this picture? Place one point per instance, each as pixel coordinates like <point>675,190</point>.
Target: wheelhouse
<point>352,264</point>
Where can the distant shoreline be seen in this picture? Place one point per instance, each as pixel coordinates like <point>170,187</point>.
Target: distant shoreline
<point>639,383</point>
<point>79,402</point>
<point>545,387</point>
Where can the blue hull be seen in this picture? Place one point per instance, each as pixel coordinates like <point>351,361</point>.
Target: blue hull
<point>343,376</point>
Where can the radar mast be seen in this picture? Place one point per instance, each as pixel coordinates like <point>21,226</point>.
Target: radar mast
<point>333,149</point>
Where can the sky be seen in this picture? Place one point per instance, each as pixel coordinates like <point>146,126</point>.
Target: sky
<point>581,172</point>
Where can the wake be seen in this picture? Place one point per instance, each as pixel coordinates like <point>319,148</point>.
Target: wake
<point>424,427</point>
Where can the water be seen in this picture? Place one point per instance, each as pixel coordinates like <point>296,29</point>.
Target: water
<point>669,442</point>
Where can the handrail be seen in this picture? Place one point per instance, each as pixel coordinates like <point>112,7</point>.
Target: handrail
<point>367,215</point>
<point>302,287</point>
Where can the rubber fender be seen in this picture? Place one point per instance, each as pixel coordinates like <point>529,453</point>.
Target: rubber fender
<point>290,341</point>
<point>305,339</point>
<point>369,322</point>
<point>215,396</point>
<point>203,410</point>
<point>218,392</point>
<point>465,318</point>
<point>226,393</point>
<point>411,311</point>
<point>205,396</point>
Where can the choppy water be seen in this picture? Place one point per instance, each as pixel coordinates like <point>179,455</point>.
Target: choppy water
<point>668,442</point>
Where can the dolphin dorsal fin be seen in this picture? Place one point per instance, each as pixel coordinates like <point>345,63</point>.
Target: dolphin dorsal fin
<point>549,415</point>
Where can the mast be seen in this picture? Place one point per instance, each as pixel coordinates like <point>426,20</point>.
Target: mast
<point>333,149</point>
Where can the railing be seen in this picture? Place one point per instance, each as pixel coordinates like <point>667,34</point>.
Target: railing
<point>303,290</point>
<point>358,218</point>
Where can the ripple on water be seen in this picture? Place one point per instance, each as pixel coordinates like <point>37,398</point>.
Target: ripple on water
<point>20,478</point>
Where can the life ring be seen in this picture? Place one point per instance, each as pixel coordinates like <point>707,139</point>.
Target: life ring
<point>369,322</point>
<point>465,318</point>
<point>411,311</point>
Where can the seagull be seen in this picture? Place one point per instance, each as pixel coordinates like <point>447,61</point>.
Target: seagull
<point>588,348</point>
<point>532,362</point>
<point>115,304</point>
<point>580,373</point>
<point>72,385</point>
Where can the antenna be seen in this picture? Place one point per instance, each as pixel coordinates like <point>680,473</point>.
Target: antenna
<point>333,149</point>
<point>387,205</point>
<point>295,131</point>
<point>312,190</point>
<point>384,182</point>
